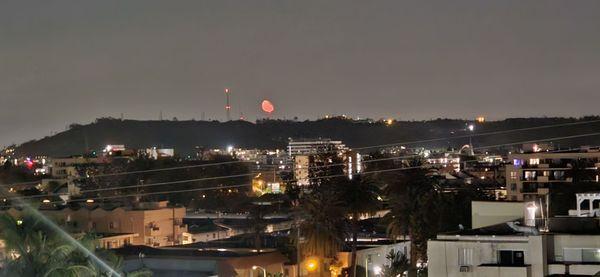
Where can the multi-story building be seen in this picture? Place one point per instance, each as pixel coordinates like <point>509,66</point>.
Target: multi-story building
<point>149,223</point>
<point>314,147</point>
<point>62,168</point>
<point>531,176</point>
<point>529,247</point>
<point>306,154</point>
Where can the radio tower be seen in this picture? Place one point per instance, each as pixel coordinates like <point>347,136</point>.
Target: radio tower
<point>227,106</point>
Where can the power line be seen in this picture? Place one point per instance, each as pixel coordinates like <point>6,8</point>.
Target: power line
<point>338,164</point>
<point>138,172</point>
<point>479,134</point>
<point>212,188</point>
<point>359,148</point>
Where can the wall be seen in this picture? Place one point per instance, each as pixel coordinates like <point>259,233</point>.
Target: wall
<point>487,213</point>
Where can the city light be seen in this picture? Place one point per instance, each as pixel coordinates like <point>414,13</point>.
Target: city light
<point>312,264</point>
<point>389,121</point>
<point>255,267</point>
<point>377,270</point>
<point>471,127</point>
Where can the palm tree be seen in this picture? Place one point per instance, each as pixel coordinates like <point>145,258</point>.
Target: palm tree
<point>412,210</point>
<point>322,224</point>
<point>398,264</point>
<point>256,216</point>
<point>33,252</point>
<point>359,197</point>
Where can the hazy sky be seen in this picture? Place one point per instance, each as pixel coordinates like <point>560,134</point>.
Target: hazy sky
<point>73,61</point>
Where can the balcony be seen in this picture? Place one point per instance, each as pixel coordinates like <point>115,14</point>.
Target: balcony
<point>152,231</point>
<point>584,269</point>
<point>495,270</point>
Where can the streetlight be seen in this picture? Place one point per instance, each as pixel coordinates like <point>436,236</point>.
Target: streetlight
<point>255,267</point>
<point>471,128</point>
<point>312,264</point>
<point>377,270</point>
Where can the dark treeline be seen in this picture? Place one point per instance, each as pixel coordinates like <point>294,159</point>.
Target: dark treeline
<point>184,136</point>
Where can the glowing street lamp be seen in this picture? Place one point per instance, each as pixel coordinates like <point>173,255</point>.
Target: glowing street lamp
<point>312,264</point>
<point>377,270</point>
<point>471,128</point>
<point>255,267</point>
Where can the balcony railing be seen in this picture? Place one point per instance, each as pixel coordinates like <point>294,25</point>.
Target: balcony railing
<point>503,270</point>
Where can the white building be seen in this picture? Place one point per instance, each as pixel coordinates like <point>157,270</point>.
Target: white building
<point>305,154</point>
<point>552,247</point>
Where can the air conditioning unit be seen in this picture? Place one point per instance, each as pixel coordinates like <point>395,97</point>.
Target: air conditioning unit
<point>465,268</point>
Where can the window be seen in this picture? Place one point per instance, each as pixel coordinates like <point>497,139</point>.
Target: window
<point>559,175</point>
<point>530,175</point>
<point>465,256</point>
<point>513,175</point>
<point>546,173</point>
<point>590,255</point>
<point>534,161</point>
<point>511,257</point>
<point>579,255</point>
<point>513,187</point>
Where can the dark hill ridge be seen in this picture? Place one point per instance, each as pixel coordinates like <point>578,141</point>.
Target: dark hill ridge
<point>185,135</point>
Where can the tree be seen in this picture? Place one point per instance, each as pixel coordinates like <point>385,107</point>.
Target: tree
<point>35,250</point>
<point>322,224</point>
<point>412,199</point>
<point>359,196</point>
<point>398,264</point>
<point>259,223</point>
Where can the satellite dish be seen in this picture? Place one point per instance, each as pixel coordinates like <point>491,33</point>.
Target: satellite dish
<point>267,106</point>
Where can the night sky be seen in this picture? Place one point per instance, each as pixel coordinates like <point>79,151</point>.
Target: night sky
<point>73,61</point>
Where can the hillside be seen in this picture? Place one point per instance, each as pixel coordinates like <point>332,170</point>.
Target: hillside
<point>185,135</point>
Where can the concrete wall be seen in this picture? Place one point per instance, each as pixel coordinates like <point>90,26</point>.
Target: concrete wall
<point>496,271</point>
<point>486,213</point>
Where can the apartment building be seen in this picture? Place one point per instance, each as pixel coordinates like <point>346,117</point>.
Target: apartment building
<point>531,246</point>
<point>531,176</point>
<point>61,168</point>
<point>305,155</point>
<point>151,223</point>
<point>510,250</point>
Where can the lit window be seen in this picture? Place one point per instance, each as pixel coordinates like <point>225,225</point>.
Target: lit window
<point>534,161</point>
<point>513,175</point>
<point>530,175</point>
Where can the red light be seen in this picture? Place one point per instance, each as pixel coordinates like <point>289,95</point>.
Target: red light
<point>29,163</point>
<point>226,90</point>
